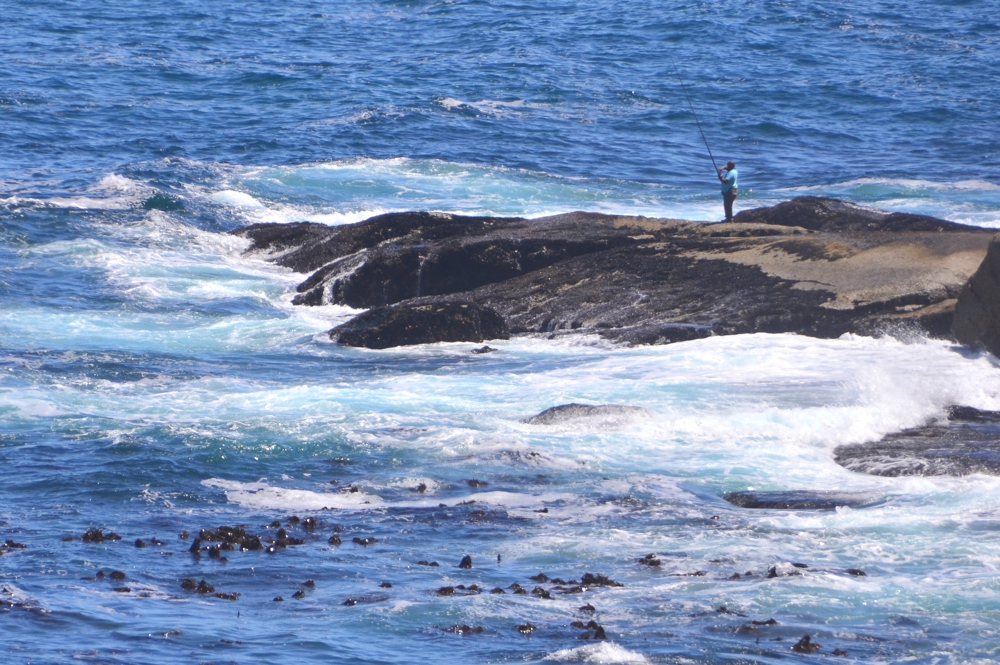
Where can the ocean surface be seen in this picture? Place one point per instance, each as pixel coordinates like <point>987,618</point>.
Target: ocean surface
<point>156,381</point>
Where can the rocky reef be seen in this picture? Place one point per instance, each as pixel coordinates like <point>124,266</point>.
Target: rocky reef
<point>813,266</point>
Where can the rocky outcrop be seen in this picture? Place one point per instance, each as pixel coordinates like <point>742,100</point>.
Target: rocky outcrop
<point>400,325</point>
<point>812,266</point>
<point>977,314</point>
<point>967,442</point>
<point>565,413</point>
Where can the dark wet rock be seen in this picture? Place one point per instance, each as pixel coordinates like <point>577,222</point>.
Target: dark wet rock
<point>195,546</point>
<point>421,488</point>
<point>386,585</point>
<point>838,652</point>
<point>474,588</point>
<point>274,525</point>
<point>571,412</point>
<point>767,622</point>
<point>497,590</point>
<point>977,313</point>
<point>407,324</point>
<point>475,482</point>
<point>67,539</point>
<point>433,564</point>
<point>294,519</point>
<point>541,593</point>
<point>484,349</point>
<point>520,591</point>
<point>183,535</point>
<point>525,628</point>
<point>800,565</point>
<point>799,500</point>
<point>466,562</point>
<point>309,523</point>
<point>93,536</point>
<point>542,510</point>
<point>591,580</point>
<point>782,570</point>
<point>734,576</point>
<point>806,645</point>
<point>967,442</point>
<point>13,545</point>
<point>446,591</point>
<point>117,575</point>
<point>299,595</point>
<point>650,560</point>
<point>856,572</point>
<point>214,552</point>
<point>309,584</point>
<point>277,599</point>
<point>725,610</point>
<point>334,540</point>
<point>599,633</point>
<point>365,542</point>
<point>204,587</point>
<point>813,266</point>
<point>540,577</point>
<point>100,575</point>
<point>587,608</point>
<point>122,589</point>
<point>188,584</point>
<point>464,629</point>
<point>693,573</point>
<point>228,596</point>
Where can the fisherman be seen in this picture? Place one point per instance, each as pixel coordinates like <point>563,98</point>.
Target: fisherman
<point>727,176</point>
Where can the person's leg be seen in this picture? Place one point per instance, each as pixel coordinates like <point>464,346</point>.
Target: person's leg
<point>727,201</point>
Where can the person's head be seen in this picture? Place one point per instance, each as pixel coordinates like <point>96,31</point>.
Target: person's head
<point>731,165</point>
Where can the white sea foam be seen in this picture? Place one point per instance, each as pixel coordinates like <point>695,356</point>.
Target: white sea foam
<point>607,653</point>
<point>261,495</point>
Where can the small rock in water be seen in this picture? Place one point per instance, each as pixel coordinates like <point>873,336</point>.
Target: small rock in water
<point>228,596</point>
<point>334,540</point>
<point>117,575</point>
<point>432,564</point>
<point>386,585</point>
<point>188,584</point>
<point>464,629</point>
<point>466,562</point>
<point>540,577</point>
<point>67,539</point>
<point>838,652</point>
<point>299,595</point>
<point>587,608</point>
<point>768,622</point>
<point>650,560</point>
<point>806,645</point>
<point>800,565</point>
<point>856,572</point>
<point>365,542</point>
<point>446,591</point>
<point>278,599</point>
<point>541,593</point>
<point>484,349</point>
<point>122,589</point>
<point>799,500</point>
<point>497,590</point>
<point>139,543</point>
<point>309,584</point>
<point>525,628</point>
<point>475,482</point>
<point>422,487</point>
<point>204,587</point>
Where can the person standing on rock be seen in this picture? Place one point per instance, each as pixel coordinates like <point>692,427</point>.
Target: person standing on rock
<point>727,176</point>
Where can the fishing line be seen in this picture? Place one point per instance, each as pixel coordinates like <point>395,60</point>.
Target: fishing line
<point>680,80</point>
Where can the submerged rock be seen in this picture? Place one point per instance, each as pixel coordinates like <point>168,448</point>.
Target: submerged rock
<point>426,323</point>
<point>570,412</point>
<point>967,442</point>
<point>799,500</point>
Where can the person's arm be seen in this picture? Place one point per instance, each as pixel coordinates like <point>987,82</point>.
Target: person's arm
<point>722,178</point>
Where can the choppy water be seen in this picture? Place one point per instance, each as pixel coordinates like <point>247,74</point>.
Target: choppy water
<point>154,380</point>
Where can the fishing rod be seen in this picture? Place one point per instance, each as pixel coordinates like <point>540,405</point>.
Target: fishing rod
<point>691,106</point>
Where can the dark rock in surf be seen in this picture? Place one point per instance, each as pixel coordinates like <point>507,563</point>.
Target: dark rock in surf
<point>407,324</point>
<point>799,500</point>
<point>806,645</point>
<point>466,562</point>
<point>967,442</point>
<point>571,412</point>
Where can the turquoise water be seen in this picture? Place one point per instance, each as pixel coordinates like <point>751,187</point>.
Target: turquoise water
<point>154,379</point>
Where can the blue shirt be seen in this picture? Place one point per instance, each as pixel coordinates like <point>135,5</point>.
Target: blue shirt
<point>730,182</point>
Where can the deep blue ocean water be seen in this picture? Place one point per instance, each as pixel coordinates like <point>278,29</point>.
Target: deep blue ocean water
<point>154,379</point>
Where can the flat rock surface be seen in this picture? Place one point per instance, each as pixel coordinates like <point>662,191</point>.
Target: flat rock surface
<point>812,266</point>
